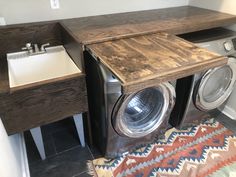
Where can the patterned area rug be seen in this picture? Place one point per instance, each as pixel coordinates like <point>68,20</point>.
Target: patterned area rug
<point>205,150</point>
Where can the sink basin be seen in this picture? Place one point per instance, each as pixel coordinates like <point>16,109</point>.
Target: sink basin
<point>25,69</point>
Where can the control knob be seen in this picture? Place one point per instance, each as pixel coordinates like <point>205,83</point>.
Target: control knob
<point>228,46</point>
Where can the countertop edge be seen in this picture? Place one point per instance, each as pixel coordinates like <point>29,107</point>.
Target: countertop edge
<point>155,80</point>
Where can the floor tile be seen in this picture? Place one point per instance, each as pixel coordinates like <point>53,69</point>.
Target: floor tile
<point>65,140</point>
<point>64,124</point>
<point>50,149</point>
<point>63,133</point>
<point>95,152</point>
<point>66,164</point>
<point>33,154</point>
<point>84,174</point>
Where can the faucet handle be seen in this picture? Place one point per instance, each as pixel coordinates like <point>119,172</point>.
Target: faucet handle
<point>43,46</point>
<point>27,46</point>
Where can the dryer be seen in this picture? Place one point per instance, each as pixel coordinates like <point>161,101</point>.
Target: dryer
<point>122,122</point>
<point>205,94</point>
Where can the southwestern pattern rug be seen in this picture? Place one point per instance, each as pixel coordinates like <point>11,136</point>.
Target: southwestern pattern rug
<point>205,150</point>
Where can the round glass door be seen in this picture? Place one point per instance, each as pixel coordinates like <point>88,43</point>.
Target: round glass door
<point>215,87</point>
<point>142,112</point>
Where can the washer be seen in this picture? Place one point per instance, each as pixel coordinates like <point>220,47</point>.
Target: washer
<point>204,94</point>
<point>122,122</point>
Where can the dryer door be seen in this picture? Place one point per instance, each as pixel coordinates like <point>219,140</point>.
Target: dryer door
<point>139,114</point>
<point>215,86</point>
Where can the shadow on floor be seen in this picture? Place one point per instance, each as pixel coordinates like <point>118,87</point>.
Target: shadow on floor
<point>65,155</point>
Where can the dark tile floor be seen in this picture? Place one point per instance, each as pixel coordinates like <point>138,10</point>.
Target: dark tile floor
<point>65,156</point>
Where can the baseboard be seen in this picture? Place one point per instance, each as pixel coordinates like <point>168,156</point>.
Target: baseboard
<point>24,158</point>
<point>228,111</point>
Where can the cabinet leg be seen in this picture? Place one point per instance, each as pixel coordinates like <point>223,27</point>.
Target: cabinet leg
<point>38,140</point>
<point>78,119</point>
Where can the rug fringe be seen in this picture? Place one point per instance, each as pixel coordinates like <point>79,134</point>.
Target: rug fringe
<point>91,169</point>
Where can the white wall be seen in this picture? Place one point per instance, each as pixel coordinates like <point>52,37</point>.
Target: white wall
<point>20,11</point>
<point>13,161</point>
<point>227,6</point>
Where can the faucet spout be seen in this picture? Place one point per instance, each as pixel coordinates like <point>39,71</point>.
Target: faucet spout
<point>43,46</point>
<point>36,48</point>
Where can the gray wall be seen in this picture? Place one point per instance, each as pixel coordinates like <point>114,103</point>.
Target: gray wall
<point>226,6</point>
<point>21,11</point>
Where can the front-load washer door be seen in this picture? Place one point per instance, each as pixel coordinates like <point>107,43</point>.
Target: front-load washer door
<point>215,86</point>
<point>139,114</point>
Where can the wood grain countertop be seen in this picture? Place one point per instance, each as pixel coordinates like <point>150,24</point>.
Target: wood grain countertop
<point>145,61</point>
<point>132,45</point>
<point>95,29</point>
<point>176,20</point>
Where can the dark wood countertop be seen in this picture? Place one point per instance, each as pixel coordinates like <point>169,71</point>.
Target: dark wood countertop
<point>139,55</point>
<point>4,79</point>
<point>176,20</point>
<point>90,30</point>
<point>145,61</point>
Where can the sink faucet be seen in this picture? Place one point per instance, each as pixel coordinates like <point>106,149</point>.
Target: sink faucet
<point>35,50</point>
<point>43,46</point>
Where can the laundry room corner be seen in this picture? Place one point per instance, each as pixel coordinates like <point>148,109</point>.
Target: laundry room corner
<point>117,88</point>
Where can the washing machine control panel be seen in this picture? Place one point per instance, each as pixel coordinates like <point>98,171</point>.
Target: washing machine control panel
<point>234,43</point>
<point>225,47</point>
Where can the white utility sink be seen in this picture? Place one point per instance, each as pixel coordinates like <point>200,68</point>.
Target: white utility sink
<point>25,69</point>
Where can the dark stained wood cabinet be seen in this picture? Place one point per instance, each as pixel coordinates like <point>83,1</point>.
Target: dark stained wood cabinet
<point>38,105</point>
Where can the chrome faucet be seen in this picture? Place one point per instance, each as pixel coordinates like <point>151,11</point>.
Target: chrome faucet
<point>35,50</point>
<point>28,47</point>
<point>43,46</point>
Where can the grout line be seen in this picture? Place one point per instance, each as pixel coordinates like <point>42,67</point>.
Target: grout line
<point>91,152</point>
<point>80,173</point>
<point>54,144</point>
<point>74,147</point>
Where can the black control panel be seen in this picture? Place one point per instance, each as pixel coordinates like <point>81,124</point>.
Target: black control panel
<point>234,43</point>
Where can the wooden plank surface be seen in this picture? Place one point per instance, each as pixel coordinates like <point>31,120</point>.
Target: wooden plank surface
<point>4,79</point>
<point>145,61</point>
<point>177,20</point>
